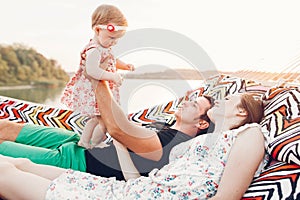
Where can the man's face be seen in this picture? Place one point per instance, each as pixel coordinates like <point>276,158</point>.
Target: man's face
<point>192,110</point>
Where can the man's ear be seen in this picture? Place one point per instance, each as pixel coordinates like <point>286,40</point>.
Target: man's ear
<point>242,112</point>
<point>202,124</point>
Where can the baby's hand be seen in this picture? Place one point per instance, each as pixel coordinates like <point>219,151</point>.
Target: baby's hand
<point>130,67</point>
<point>118,79</point>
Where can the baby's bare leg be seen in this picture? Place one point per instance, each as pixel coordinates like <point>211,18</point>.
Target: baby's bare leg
<point>88,133</point>
<point>99,133</point>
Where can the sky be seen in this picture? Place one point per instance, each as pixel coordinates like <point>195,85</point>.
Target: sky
<point>251,34</point>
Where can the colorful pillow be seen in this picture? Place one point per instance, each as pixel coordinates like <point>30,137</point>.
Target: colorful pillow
<point>33,113</point>
<point>282,124</point>
<point>223,85</point>
<point>278,181</point>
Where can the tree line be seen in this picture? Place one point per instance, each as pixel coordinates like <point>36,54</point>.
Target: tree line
<point>21,65</point>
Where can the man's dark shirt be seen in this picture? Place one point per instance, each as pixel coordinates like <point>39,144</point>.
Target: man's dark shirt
<point>104,161</point>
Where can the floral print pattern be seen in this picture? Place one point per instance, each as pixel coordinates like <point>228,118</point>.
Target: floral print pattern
<point>78,94</point>
<point>194,172</point>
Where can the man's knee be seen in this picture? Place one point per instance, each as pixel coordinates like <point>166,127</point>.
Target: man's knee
<point>9,130</point>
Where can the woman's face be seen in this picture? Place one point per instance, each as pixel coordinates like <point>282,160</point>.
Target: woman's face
<point>228,107</point>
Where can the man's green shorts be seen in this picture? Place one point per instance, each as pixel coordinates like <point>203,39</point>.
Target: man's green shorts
<point>46,145</point>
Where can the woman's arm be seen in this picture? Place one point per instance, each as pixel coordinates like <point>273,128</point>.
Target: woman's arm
<point>38,178</point>
<point>244,159</point>
<point>142,141</point>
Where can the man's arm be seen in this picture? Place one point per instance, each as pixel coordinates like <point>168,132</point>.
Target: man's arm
<point>244,159</point>
<point>138,139</point>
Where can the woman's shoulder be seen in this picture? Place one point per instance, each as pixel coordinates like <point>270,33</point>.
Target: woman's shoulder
<point>252,127</point>
<point>249,126</point>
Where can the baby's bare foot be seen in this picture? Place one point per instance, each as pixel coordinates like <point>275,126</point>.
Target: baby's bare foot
<point>84,144</point>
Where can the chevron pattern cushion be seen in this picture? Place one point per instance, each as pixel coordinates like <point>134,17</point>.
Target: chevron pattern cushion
<point>282,123</point>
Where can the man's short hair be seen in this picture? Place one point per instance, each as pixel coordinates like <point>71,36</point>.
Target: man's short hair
<point>206,118</point>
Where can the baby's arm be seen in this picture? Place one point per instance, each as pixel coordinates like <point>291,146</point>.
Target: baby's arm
<point>96,72</point>
<point>123,66</point>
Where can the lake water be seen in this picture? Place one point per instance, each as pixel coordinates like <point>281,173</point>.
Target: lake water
<point>135,94</point>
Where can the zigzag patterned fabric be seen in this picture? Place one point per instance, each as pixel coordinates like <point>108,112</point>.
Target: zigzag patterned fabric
<point>280,177</point>
<point>32,113</point>
<point>278,181</point>
<point>282,122</point>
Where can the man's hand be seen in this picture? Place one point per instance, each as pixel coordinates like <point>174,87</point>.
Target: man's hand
<point>118,79</point>
<point>130,67</point>
<point>104,61</point>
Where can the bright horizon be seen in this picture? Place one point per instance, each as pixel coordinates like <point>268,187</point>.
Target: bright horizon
<point>254,35</point>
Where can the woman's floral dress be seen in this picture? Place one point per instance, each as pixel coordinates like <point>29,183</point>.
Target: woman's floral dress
<point>194,172</point>
<point>78,94</point>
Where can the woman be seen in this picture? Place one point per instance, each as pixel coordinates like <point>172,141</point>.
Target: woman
<point>220,165</point>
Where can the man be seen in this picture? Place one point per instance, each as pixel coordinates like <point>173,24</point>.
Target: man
<point>147,149</point>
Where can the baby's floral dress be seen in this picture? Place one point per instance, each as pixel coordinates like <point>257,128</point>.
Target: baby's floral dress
<point>194,172</point>
<point>78,94</point>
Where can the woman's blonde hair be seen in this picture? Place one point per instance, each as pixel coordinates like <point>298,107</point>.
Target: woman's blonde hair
<point>106,14</point>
